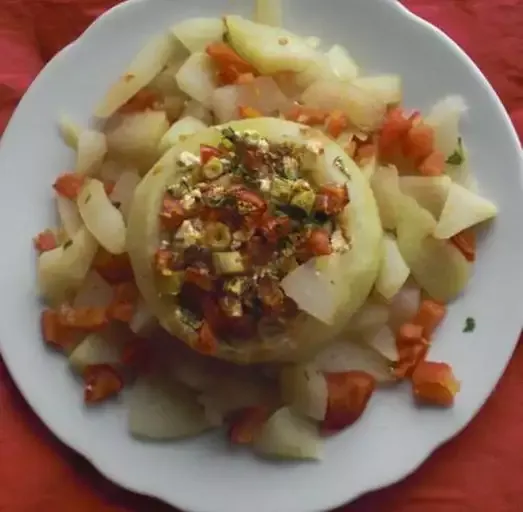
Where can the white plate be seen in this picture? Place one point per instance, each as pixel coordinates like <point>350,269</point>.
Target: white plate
<point>394,437</point>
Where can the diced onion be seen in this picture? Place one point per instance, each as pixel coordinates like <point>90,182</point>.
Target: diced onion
<point>263,95</point>
<point>69,215</point>
<point>225,103</point>
<point>123,192</point>
<point>393,271</point>
<point>163,410</point>
<point>444,118</point>
<point>92,148</point>
<point>143,320</point>
<point>288,436</point>
<point>63,270</point>
<point>404,305</point>
<point>370,317</point>
<point>197,33</point>
<point>145,66</point>
<point>364,109</point>
<point>312,291</point>
<point>196,78</point>
<point>346,356</point>
<point>384,343</point>
<point>198,111</point>
<point>101,218</point>
<point>463,209</point>
<point>94,292</point>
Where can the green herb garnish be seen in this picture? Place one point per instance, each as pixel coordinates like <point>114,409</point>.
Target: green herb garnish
<point>470,324</point>
<point>458,156</point>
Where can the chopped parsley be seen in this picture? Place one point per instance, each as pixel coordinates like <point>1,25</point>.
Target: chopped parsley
<point>470,324</point>
<point>458,156</point>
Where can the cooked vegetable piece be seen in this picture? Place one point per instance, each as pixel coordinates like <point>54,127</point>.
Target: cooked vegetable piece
<point>45,241</point>
<point>55,334</point>
<point>465,241</point>
<point>162,409</point>
<point>62,271</point>
<point>197,33</point>
<point>394,271</point>
<point>183,128</point>
<point>96,349</point>
<point>114,268</point>
<point>148,63</point>
<point>124,302</point>
<point>69,215</point>
<point>287,436</point>
<point>86,318</point>
<point>434,384</point>
<point>91,151</point>
<point>348,396</point>
<point>342,64</point>
<point>463,209</point>
<point>429,316</point>
<point>197,78</point>
<point>433,165</point>
<point>385,185</point>
<point>383,341</point>
<point>304,389</point>
<point>430,192</point>
<point>387,88</point>
<point>268,49</point>
<point>69,130</point>
<point>123,191</point>
<point>228,263</point>
<point>100,383</point>
<point>101,217</point>
<point>69,185</point>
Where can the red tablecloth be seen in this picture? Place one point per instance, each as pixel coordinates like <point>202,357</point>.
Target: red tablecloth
<point>481,470</point>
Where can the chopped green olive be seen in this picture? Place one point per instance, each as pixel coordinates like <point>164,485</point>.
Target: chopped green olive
<point>236,286</point>
<point>228,263</point>
<point>170,283</point>
<point>213,169</point>
<point>281,190</point>
<point>217,236</point>
<point>304,200</point>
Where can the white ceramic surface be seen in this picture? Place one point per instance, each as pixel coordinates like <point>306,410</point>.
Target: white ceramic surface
<point>394,437</point>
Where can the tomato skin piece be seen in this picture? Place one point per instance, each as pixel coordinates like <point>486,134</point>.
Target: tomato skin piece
<point>433,165</point>
<point>69,185</point>
<point>45,241</point>
<point>419,143</point>
<point>124,302</point>
<point>318,243</point>
<point>247,424</point>
<point>100,383</point>
<point>114,268</point>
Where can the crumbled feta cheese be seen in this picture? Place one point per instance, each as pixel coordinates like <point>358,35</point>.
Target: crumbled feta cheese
<point>253,138</point>
<point>188,201</point>
<point>187,158</point>
<point>338,242</point>
<point>188,234</point>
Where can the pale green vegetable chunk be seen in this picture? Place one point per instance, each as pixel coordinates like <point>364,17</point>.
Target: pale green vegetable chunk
<point>429,191</point>
<point>196,33</point>
<point>268,49</point>
<point>93,350</point>
<point>394,272</point>
<point>288,436</point>
<point>163,409</point>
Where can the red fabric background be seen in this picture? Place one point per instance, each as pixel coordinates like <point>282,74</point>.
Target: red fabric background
<point>480,471</point>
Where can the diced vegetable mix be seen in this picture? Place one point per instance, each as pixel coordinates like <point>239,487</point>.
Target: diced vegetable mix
<point>239,243</point>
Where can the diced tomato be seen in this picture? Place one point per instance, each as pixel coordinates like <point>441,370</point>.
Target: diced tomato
<point>242,328</point>
<point>419,143</point>
<point>348,396</point>
<point>270,293</point>
<point>69,185</point>
<point>410,334</point>
<point>172,214</point>
<point>260,250</point>
<point>101,382</point>
<point>54,333</point>
<point>86,318</point>
<point>306,115</point>
<point>142,100</point>
<point>337,122</point>
<point>433,165</point>
<point>229,64</point>
<point>248,112</point>
<point>365,151</point>
<point>318,243</point>
<point>200,277</point>
<point>45,241</point>
<point>275,228</point>
<point>163,260</point>
<point>247,423</point>
<point>430,314</point>
<point>213,314</point>
<point>124,302</point>
<point>136,354</point>
<point>394,129</point>
<point>466,243</point>
<point>249,202</point>
<point>109,186</point>
<point>207,341</point>
<point>208,152</point>
<point>409,358</point>
<point>113,268</point>
<point>331,199</point>
<point>434,384</point>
